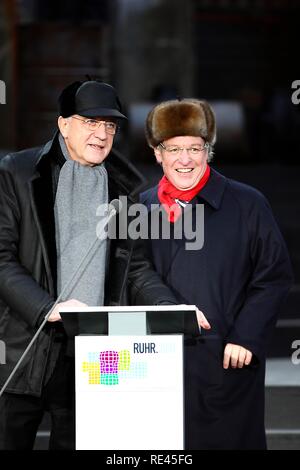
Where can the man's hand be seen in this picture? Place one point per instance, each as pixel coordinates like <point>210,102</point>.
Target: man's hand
<point>236,356</point>
<point>202,322</point>
<point>55,316</point>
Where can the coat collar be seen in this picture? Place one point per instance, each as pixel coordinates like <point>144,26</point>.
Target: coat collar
<point>214,189</point>
<point>123,176</point>
<point>129,181</point>
<point>45,150</point>
<point>212,192</point>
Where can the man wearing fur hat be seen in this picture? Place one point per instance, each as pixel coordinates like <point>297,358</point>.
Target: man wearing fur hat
<point>238,278</point>
<point>49,198</point>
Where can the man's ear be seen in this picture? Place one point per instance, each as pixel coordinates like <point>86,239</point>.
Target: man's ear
<point>157,154</point>
<point>63,125</point>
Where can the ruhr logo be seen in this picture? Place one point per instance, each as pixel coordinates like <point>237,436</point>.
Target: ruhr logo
<point>113,367</point>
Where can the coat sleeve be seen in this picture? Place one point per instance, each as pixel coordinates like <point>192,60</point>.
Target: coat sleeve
<point>18,290</point>
<point>269,284</point>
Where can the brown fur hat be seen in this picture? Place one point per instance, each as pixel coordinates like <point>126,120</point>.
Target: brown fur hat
<point>180,117</point>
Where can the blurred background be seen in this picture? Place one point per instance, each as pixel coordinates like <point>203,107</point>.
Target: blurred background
<point>240,55</point>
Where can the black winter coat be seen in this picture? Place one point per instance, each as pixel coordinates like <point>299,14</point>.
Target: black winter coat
<point>238,279</point>
<point>28,259</point>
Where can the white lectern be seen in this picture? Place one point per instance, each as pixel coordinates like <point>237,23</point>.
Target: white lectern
<point>129,375</point>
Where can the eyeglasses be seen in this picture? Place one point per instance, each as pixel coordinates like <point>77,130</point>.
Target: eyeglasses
<point>93,124</point>
<point>175,150</point>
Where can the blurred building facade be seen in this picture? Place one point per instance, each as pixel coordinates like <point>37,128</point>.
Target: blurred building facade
<point>236,52</point>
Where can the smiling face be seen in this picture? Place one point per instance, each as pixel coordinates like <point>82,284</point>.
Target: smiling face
<point>184,170</point>
<point>85,146</point>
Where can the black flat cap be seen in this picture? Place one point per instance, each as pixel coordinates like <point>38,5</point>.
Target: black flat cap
<point>90,99</point>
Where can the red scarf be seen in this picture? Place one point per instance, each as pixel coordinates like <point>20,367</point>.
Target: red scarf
<point>167,193</point>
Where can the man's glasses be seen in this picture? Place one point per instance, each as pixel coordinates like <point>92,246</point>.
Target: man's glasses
<point>93,124</point>
<point>175,150</point>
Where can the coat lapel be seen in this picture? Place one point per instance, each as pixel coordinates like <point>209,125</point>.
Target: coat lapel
<point>42,202</point>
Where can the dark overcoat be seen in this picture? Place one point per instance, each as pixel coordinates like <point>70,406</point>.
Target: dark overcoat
<point>239,279</point>
<point>28,259</point>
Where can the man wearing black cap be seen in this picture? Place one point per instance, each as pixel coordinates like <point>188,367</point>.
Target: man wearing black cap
<point>48,204</point>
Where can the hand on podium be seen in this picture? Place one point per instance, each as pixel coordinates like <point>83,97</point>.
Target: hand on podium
<point>201,318</point>
<point>55,316</point>
<point>202,321</point>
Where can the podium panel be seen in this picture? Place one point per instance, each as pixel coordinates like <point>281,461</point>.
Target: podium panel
<point>136,320</point>
<point>129,392</point>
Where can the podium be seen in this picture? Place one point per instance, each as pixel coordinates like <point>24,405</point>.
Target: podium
<point>129,382</point>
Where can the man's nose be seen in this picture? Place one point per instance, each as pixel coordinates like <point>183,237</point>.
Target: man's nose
<point>101,132</point>
<point>184,157</point>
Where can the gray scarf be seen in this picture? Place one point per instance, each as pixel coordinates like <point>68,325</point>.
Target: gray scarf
<point>81,189</point>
